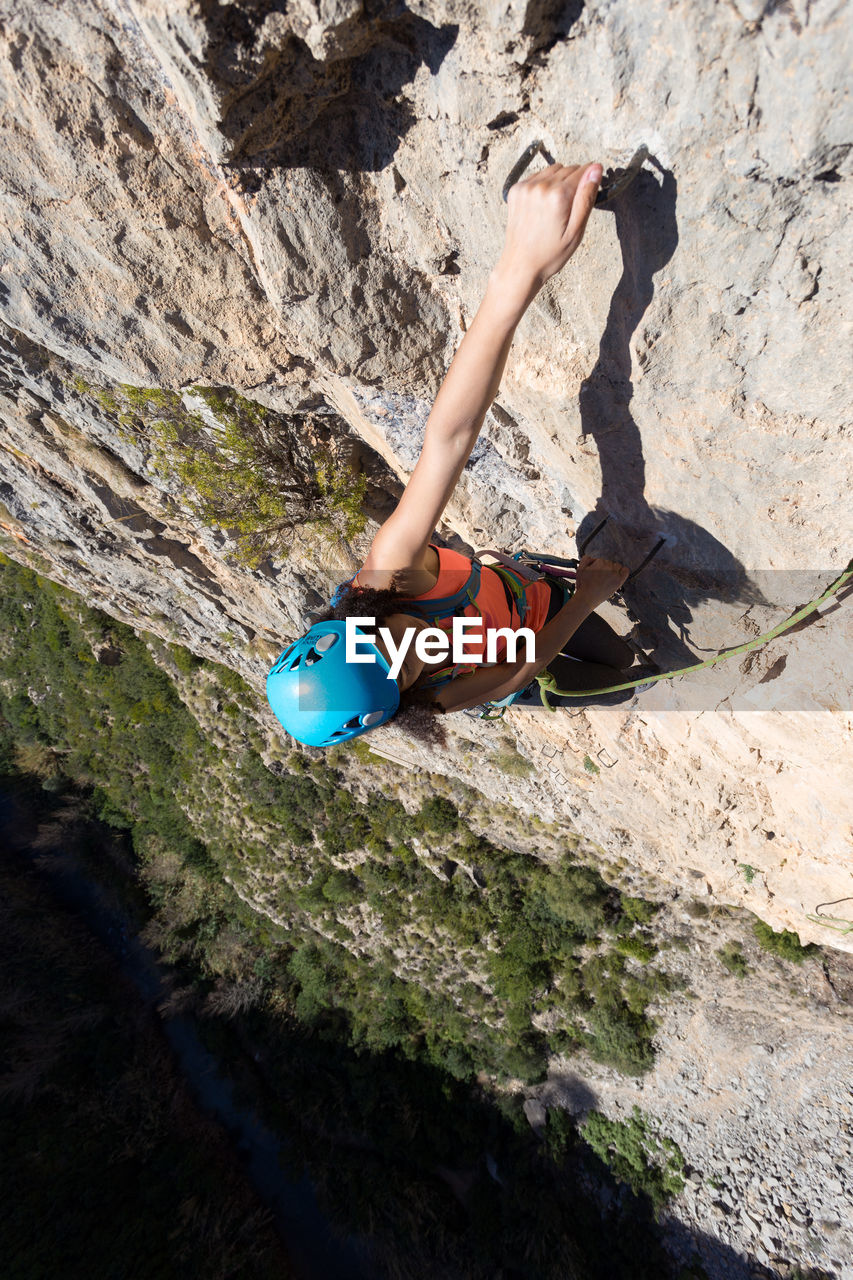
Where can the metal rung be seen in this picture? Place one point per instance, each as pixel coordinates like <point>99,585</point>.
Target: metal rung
<point>582,546</point>
<point>655,549</point>
<point>613,181</point>
<point>544,557</point>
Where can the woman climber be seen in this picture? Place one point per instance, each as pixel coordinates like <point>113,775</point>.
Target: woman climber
<point>319,695</point>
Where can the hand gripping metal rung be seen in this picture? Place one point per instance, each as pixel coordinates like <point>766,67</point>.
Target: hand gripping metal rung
<point>613,182</point>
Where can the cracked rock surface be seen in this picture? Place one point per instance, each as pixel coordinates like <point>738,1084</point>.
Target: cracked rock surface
<point>753,1081</point>
<point>305,206</point>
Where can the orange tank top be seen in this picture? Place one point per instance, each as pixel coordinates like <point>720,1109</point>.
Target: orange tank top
<point>492,606</point>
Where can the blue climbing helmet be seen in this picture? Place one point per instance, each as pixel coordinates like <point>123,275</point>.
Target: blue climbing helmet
<point>320,698</point>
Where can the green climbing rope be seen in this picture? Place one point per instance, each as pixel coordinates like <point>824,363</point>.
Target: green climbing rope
<point>838,923</point>
<point>547,682</point>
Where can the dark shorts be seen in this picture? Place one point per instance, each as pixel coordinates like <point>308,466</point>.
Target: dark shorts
<point>603,659</point>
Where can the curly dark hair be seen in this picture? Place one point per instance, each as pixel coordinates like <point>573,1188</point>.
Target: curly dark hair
<point>418,713</point>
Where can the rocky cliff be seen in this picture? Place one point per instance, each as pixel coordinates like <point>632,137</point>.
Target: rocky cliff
<point>303,203</point>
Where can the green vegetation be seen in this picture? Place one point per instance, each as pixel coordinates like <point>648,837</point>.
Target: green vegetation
<point>512,762</point>
<point>785,944</point>
<point>590,765</point>
<point>638,910</point>
<point>439,816</point>
<point>243,468</point>
<point>396,976</point>
<point>747,872</point>
<point>734,960</point>
<point>638,947</point>
<point>548,939</point>
<point>637,1154</point>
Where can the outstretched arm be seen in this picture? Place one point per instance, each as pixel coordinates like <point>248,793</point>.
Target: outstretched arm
<point>548,214</point>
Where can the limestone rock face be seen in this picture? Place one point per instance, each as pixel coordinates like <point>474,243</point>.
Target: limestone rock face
<point>303,202</point>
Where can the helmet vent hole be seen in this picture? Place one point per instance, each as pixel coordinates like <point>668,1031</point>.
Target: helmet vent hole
<point>279,666</point>
<point>295,663</point>
<point>312,657</point>
<point>353,723</point>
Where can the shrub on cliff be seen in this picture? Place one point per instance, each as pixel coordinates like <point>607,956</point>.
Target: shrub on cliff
<point>245,469</point>
<point>785,944</point>
<point>734,960</point>
<point>438,816</point>
<point>637,1154</point>
<point>620,1038</point>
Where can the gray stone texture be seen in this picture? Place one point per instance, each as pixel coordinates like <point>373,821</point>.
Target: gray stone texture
<point>306,206</point>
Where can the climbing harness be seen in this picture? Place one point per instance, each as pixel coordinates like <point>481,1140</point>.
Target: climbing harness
<point>613,182</point>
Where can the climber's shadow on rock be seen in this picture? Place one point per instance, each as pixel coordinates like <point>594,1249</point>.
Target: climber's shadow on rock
<point>693,565</point>
<point>575,1094</point>
<point>282,107</point>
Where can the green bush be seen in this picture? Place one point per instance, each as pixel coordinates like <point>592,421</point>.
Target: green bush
<point>560,1133</point>
<point>252,474</point>
<point>231,680</point>
<point>438,815</point>
<point>525,1060</point>
<point>620,1038</point>
<point>341,886</point>
<point>577,897</point>
<point>785,944</point>
<point>638,910</point>
<point>734,960</point>
<point>637,946</point>
<point>512,762</point>
<point>637,1155</point>
<point>186,662</point>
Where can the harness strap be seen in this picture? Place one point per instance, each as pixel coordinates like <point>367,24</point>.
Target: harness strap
<point>443,606</point>
<point>517,586</point>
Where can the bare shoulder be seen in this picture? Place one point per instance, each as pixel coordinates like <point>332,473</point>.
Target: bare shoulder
<point>376,572</point>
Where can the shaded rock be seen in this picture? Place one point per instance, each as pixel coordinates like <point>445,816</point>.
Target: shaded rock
<point>305,205</point>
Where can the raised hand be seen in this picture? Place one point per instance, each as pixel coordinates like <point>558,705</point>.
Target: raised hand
<point>548,213</point>
<point>597,579</point>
